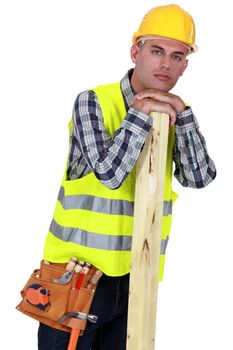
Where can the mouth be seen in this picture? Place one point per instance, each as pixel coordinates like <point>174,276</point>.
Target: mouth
<point>162,77</point>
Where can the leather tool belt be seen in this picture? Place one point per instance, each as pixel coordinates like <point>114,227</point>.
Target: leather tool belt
<point>60,305</point>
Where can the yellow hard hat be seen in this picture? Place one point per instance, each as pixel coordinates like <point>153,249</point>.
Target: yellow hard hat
<point>169,21</point>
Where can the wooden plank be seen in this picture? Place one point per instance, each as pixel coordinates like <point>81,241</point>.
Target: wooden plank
<point>151,168</point>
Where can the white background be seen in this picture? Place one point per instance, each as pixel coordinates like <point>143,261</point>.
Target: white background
<point>50,51</point>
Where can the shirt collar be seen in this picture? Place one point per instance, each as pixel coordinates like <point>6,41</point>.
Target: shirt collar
<point>127,89</point>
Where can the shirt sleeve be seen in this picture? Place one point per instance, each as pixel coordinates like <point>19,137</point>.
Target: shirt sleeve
<point>110,159</point>
<point>193,166</point>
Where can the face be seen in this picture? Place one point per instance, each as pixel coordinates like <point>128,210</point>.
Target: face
<point>158,64</point>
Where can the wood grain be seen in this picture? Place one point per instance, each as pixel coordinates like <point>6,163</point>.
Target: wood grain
<point>151,168</point>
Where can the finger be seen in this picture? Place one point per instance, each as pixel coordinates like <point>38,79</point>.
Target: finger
<point>158,96</point>
<point>149,94</point>
<point>172,121</point>
<point>162,96</point>
<point>163,108</point>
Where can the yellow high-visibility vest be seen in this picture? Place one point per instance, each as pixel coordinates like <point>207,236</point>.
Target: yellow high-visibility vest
<point>95,223</point>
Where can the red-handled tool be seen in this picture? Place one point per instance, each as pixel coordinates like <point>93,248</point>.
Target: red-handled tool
<point>83,272</point>
<point>76,332</point>
<point>92,282</point>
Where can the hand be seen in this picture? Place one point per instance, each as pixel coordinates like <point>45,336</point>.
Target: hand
<point>152,100</point>
<point>161,96</point>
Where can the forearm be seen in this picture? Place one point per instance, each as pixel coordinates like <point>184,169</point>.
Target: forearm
<point>194,167</point>
<point>111,159</point>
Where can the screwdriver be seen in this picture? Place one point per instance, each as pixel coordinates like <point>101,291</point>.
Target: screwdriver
<point>83,272</point>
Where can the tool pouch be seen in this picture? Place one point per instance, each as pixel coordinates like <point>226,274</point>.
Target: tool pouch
<point>47,301</point>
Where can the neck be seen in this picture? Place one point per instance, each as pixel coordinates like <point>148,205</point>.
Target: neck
<point>134,83</point>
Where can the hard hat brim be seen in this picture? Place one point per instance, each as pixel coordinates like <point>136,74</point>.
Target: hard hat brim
<point>136,39</point>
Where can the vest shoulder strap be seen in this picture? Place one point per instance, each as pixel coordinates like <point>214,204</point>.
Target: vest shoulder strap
<point>112,105</point>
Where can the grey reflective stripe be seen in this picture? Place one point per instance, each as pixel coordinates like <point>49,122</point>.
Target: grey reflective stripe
<point>97,204</point>
<point>96,240</point>
<point>91,239</point>
<point>163,247</point>
<point>167,208</point>
<point>103,205</point>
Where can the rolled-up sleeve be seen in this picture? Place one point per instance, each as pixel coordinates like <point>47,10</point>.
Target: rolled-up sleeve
<point>193,166</point>
<point>111,159</point>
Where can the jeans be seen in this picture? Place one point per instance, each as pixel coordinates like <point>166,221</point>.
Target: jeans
<point>110,304</point>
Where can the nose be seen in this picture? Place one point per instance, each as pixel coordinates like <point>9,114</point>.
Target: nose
<point>165,62</point>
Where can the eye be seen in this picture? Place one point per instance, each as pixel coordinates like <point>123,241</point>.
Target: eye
<point>156,52</point>
<point>177,58</point>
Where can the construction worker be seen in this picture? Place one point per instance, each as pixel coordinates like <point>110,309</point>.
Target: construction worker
<point>94,212</point>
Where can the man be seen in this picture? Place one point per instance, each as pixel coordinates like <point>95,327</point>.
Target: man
<point>94,212</point>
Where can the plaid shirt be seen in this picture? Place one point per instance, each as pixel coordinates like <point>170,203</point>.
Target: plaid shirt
<point>111,159</point>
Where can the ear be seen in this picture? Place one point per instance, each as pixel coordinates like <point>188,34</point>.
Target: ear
<point>134,53</point>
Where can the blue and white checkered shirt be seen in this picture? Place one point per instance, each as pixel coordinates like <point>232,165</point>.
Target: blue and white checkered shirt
<point>92,149</point>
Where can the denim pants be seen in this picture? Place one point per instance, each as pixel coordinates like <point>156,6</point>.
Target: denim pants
<point>110,304</point>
